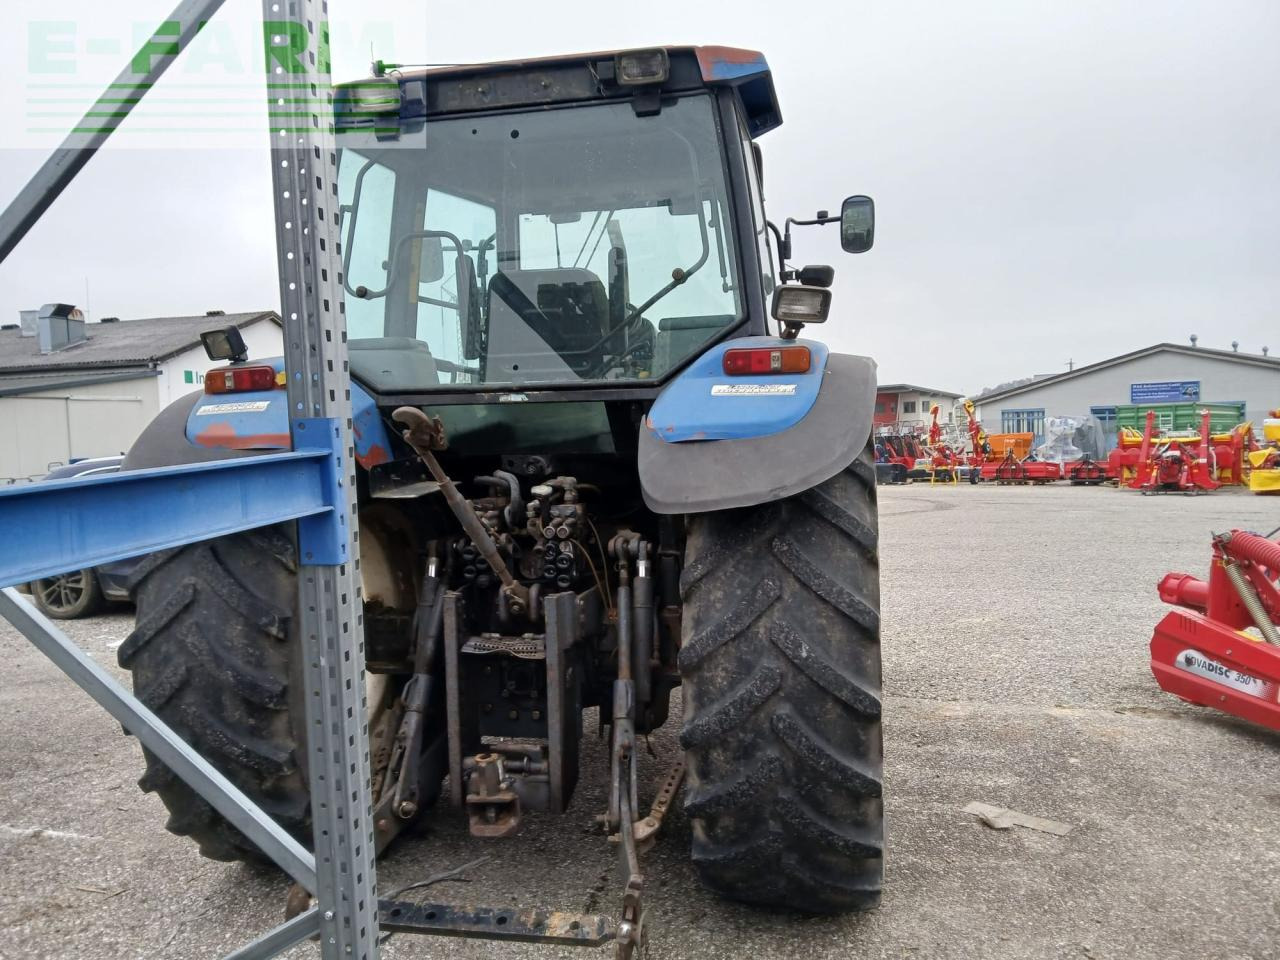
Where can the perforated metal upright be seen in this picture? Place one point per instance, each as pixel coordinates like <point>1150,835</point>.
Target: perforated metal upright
<point>305,180</point>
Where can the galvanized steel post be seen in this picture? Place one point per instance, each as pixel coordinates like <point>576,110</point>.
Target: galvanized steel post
<point>305,177</point>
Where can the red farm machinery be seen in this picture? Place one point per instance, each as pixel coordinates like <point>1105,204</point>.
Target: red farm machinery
<point>1221,649</point>
<point>1155,462</point>
<point>898,450</point>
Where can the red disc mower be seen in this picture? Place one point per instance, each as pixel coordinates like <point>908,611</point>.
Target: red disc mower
<point>1207,652</point>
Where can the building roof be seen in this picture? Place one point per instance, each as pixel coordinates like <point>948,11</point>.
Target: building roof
<point>912,388</point>
<point>127,343</point>
<point>1252,359</point>
<point>17,384</point>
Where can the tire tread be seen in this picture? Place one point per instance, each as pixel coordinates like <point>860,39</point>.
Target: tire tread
<point>211,655</point>
<point>781,667</point>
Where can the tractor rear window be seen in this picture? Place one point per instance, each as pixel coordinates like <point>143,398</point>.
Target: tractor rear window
<point>584,244</point>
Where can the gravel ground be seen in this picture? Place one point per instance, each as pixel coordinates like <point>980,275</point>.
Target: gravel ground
<point>1015,629</point>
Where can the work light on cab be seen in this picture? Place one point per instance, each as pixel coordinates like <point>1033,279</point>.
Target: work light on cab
<point>642,66</point>
<point>226,343</point>
<point>756,360</point>
<point>240,379</point>
<point>794,303</point>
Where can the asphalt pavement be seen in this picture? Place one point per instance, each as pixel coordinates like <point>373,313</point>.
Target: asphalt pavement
<point>1016,623</point>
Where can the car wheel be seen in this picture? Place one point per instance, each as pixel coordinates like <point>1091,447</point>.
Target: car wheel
<point>68,596</point>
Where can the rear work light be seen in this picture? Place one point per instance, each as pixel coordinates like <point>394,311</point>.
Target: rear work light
<point>749,361</point>
<point>240,379</point>
<point>794,303</point>
<point>641,67</point>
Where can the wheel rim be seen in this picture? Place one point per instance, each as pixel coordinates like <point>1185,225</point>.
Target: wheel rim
<point>62,592</point>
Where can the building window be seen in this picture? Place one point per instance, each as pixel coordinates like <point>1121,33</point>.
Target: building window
<point>1024,421</point>
<point>908,406</point>
<point>1107,418</point>
<point>879,406</point>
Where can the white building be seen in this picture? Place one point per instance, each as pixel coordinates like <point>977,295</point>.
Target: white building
<point>906,405</point>
<point>1164,373</point>
<point>95,386</point>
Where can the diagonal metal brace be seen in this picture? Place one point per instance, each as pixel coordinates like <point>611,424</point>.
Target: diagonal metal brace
<point>92,131</point>
<point>154,734</point>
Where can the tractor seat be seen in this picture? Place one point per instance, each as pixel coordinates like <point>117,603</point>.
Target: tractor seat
<point>567,309</point>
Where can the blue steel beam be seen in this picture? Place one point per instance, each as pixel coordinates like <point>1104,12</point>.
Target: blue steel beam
<point>51,528</point>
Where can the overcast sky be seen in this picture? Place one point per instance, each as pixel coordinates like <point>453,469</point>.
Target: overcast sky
<point>1053,181</point>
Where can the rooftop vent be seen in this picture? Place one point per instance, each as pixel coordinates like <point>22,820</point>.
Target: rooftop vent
<point>215,313</point>
<point>1194,338</point>
<point>59,325</point>
<point>18,326</point>
<point>29,320</point>
<point>1265,351</point>
<point>1235,346</point>
<point>108,319</point>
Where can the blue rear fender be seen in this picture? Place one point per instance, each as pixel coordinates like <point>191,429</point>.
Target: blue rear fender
<point>702,403</point>
<point>713,442</point>
<point>201,427</point>
<point>259,420</point>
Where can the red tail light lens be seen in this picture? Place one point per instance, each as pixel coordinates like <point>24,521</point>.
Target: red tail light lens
<point>749,361</point>
<point>240,379</point>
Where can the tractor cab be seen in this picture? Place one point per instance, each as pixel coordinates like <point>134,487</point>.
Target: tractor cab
<point>534,228</point>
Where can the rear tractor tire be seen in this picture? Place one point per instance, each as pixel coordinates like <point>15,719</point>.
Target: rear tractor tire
<point>781,665</point>
<point>214,655</point>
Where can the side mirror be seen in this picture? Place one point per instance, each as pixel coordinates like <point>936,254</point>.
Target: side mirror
<point>857,224</point>
<point>431,260</point>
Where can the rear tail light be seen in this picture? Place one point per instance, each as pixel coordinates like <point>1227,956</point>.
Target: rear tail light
<point>240,379</point>
<point>748,361</point>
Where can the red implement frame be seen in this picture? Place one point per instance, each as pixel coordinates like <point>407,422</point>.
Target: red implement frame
<point>1174,466</point>
<point>942,459</point>
<point>1202,654</point>
<point>1012,470</point>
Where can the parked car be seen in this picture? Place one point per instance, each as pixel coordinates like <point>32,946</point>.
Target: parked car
<point>82,593</point>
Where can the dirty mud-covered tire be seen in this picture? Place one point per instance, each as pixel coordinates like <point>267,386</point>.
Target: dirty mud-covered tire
<point>214,656</point>
<point>781,665</point>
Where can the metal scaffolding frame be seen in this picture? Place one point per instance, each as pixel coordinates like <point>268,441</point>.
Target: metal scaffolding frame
<point>59,526</point>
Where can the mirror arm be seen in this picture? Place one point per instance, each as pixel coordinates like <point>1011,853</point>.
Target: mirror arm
<point>784,245</point>
<point>784,242</point>
<point>810,223</point>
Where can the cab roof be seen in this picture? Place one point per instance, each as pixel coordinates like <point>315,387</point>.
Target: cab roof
<point>431,91</point>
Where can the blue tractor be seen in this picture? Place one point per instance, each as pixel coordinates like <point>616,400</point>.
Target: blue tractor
<point>596,462</point>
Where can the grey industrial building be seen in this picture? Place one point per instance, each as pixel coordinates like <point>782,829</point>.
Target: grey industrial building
<point>1163,373</point>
